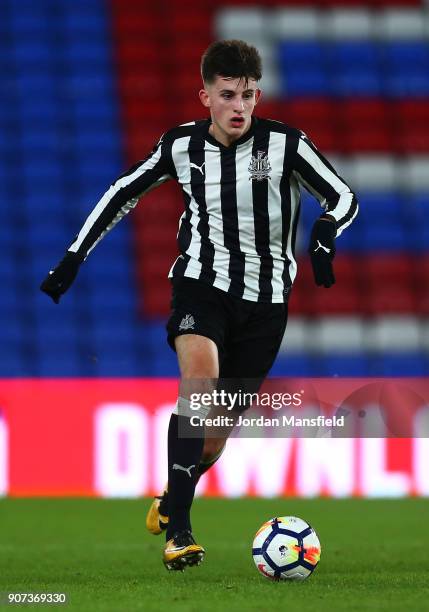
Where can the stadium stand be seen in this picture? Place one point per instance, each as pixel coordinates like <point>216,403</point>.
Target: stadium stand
<point>86,90</point>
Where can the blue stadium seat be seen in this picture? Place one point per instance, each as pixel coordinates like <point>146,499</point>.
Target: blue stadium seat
<point>352,54</point>
<point>59,362</point>
<point>13,334</point>
<point>91,51</point>
<point>405,54</point>
<point>351,239</point>
<point>402,364</point>
<point>40,111</point>
<point>297,82</point>
<point>33,84</point>
<point>94,111</point>
<point>164,364</point>
<point>302,53</point>
<point>12,363</point>
<point>82,21</point>
<point>33,52</point>
<point>419,238</point>
<point>415,209</point>
<point>392,237</point>
<point>411,81</point>
<point>117,364</point>
<point>380,205</point>
<point>295,364</point>
<point>345,365</point>
<point>355,81</point>
<point>10,297</point>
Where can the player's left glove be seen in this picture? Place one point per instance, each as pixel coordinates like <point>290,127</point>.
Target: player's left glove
<point>62,276</point>
<point>322,251</point>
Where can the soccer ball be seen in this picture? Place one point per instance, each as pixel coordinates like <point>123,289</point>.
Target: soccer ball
<point>286,548</point>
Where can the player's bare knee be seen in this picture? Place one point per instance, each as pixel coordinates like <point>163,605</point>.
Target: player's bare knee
<point>198,359</point>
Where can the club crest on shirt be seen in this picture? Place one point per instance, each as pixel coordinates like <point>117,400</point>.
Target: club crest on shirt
<point>259,167</point>
<point>188,322</point>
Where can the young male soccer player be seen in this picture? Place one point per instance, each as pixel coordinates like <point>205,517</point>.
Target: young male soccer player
<point>240,177</point>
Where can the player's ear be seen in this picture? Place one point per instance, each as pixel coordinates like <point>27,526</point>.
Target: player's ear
<point>258,94</point>
<point>204,98</point>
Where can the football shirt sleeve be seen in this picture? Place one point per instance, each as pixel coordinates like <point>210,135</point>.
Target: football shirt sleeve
<point>318,176</point>
<point>122,196</point>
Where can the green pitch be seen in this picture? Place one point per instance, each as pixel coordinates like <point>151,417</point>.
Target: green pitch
<point>374,556</point>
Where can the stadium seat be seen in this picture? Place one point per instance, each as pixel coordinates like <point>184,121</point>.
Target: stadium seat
<point>400,23</point>
<point>384,207</point>
<point>351,24</point>
<point>393,333</point>
<point>352,54</point>
<point>295,364</point>
<point>345,365</point>
<point>361,81</point>
<point>407,81</point>
<point>343,334</point>
<point>389,299</point>
<point>387,269</point>
<point>248,23</point>
<point>308,53</point>
<point>414,364</point>
<point>59,363</point>
<point>364,138</point>
<point>294,23</point>
<point>413,138</point>
<point>340,299</point>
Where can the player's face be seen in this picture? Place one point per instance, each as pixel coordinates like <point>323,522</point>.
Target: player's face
<point>231,103</point>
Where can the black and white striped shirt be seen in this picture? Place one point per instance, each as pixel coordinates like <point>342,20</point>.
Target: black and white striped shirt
<point>242,204</point>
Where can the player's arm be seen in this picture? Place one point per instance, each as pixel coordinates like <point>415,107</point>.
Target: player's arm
<point>340,206</point>
<point>118,200</point>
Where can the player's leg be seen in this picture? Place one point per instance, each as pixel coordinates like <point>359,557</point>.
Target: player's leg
<point>199,369</point>
<point>158,515</point>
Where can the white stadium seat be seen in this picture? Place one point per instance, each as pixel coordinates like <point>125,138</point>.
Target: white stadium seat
<point>338,335</point>
<point>296,337</point>
<point>347,24</point>
<point>415,173</point>
<point>396,333</point>
<point>394,24</point>
<point>248,24</point>
<point>287,24</point>
<point>373,172</point>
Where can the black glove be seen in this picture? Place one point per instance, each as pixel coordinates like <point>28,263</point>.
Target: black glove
<point>322,251</point>
<point>60,278</point>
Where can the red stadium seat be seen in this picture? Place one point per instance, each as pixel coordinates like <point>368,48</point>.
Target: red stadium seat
<point>410,111</point>
<point>338,299</point>
<point>269,109</point>
<point>303,110</point>
<point>413,138</point>
<point>362,138</point>
<point>139,52</point>
<point>365,113</point>
<point>390,299</point>
<point>387,269</point>
<point>347,269</point>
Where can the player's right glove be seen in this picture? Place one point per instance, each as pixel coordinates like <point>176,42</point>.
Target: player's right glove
<point>62,276</point>
<point>322,251</point>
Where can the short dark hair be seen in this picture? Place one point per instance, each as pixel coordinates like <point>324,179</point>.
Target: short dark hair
<point>231,58</point>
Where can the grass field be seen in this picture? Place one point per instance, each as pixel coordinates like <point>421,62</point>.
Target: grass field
<point>374,556</point>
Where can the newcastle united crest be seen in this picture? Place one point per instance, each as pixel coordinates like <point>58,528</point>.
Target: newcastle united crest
<point>259,167</point>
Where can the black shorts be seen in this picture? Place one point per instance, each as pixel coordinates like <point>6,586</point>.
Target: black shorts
<point>247,334</point>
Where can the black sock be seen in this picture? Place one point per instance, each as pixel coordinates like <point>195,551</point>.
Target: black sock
<point>184,455</point>
<point>206,465</point>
